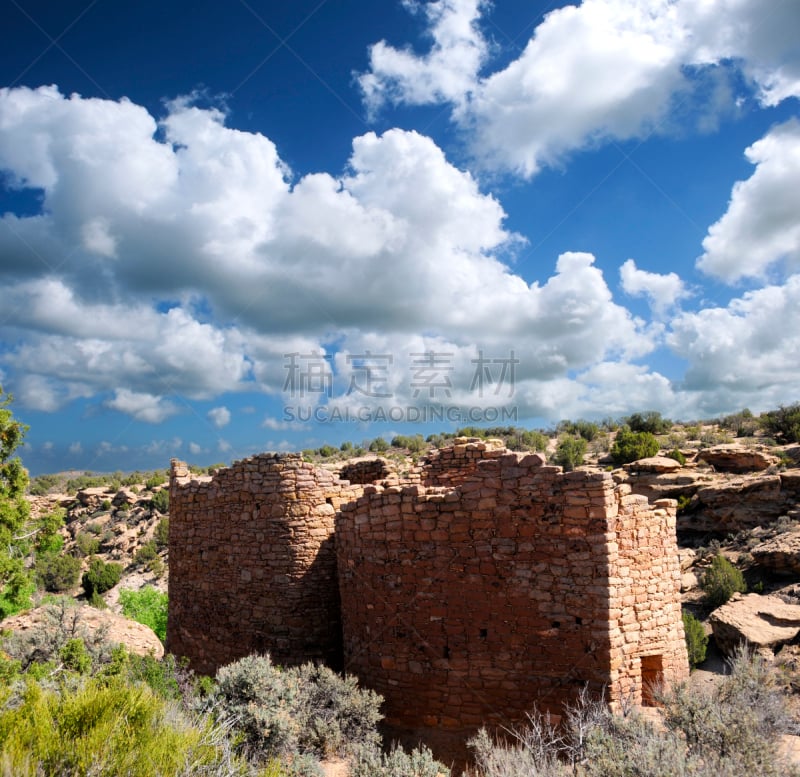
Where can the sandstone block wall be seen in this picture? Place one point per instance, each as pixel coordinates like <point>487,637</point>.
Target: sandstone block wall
<point>465,606</point>
<point>647,637</point>
<point>482,584</point>
<point>252,562</point>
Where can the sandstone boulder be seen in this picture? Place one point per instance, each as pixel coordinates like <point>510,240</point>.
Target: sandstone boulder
<point>124,497</point>
<point>653,464</point>
<point>93,497</point>
<point>763,622</point>
<point>780,554</point>
<point>737,458</point>
<point>88,621</point>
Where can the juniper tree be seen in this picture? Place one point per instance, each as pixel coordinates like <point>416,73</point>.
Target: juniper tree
<point>14,510</point>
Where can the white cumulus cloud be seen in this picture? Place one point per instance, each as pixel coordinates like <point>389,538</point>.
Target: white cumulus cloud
<point>594,72</point>
<point>143,407</point>
<point>761,226</point>
<point>662,290</point>
<point>219,416</point>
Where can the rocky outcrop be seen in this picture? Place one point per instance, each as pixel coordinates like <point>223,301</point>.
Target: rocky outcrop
<point>780,555</point>
<point>734,503</point>
<point>90,624</point>
<point>737,458</point>
<point>680,482</point>
<point>762,622</point>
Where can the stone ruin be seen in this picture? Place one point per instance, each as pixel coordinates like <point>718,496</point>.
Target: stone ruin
<point>483,583</point>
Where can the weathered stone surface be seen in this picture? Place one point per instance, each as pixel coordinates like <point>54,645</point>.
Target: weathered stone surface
<point>690,580</point>
<point>737,458</point>
<point>687,557</point>
<point>136,637</point>
<point>780,554</point>
<point>653,464</point>
<point>760,621</point>
<point>252,562</point>
<point>446,587</point>
<point>365,471</point>
<point>733,503</point>
<point>124,497</point>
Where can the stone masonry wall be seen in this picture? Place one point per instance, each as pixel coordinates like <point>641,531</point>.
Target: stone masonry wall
<point>465,606</point>
<point>252,562</point>
<point>645,609</point>
<point>484,583</point>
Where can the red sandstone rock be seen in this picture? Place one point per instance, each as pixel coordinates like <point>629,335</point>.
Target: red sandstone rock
<point>136,637</point>
<point>736,458</point>
<point>759,621</point>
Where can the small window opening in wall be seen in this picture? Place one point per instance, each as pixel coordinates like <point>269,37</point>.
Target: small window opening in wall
<point>556,624</point>
<point>329,500</point>
<point>652,678</point>
<point>579,621</point>
<point>446,651</point>
<point>484,633</point>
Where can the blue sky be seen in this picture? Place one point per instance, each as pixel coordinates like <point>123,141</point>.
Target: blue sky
<point>228,228</point>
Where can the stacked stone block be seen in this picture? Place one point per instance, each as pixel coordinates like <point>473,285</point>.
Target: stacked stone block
<point>253,564</point>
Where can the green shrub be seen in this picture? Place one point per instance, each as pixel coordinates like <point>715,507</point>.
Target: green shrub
<point>161,535</point>
<point>742,424</point>
<point>48,538</point>
<point>107,727</point>
<point>42,485</point>
<point>677,455</point>
<point>147,606</point>
<point>57,573</point>
<point>261,699</point>
<point>146,553</point>
<point>100,577</point>
<point>783,423</point>
<point>570,452</point>
<point>696,639</point>
<point>335,714</point>
<point>415,444</point>
<point>379,445</point>
<point>651,422</point>
<point>155,480</point>
<point>303,710</point>
<point>631,446</point>
<point>721,581</point>
<point>371,762</point>
<point>582,428</point>
<point>86,544</point>
<point>75,656</point>
<point>527,440</point>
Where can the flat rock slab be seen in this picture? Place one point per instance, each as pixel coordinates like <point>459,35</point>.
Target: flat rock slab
<point>760,621</point>
<point>654,464</point>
